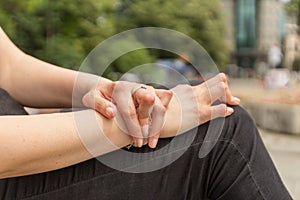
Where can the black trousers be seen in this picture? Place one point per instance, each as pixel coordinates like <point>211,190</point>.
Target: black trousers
<point>238,167</point>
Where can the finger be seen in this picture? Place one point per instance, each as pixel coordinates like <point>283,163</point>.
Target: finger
<point>158,120</point>
<point>228,96</point>
<point>216,79</point>
<point>229,99</point>
<point>165,96</point>
<point>217,91</point>
<point>94,100</point>
<point>145,108</point>
<point>211,90</point>
<point>134,141</point>
<point>126,113</point>
<point>221,91</point>
<point>106,88</point>
<point>130,118</point>
<point>145,99</point>
<point>220,110</point>
<point>153,140</point>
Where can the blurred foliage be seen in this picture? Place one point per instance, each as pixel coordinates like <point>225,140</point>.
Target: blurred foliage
<point>63,32</point>
<point>296,64</point>
<point>293,9</point>
<point>199,19</point>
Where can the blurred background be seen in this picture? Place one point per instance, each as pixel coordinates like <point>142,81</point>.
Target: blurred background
<point>255,42</point>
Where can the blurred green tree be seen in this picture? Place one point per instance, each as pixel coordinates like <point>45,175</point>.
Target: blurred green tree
<point>293,9</point>
<point>296,64</point>
<point>199,19</point>
<point>63,32</point>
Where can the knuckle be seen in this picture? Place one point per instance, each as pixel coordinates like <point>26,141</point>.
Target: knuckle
<point>102,103</point>
<point>222,76</point>
<point>99,108</point>
<point>114,85</point>
<point>222,85</point>
<point>148,99</point>
<point>222,109</point>
<point>169,93</point>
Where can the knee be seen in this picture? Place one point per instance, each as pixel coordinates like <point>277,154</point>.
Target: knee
<point>240,115</point>
<point>240,127</point>
<point>242,132</point>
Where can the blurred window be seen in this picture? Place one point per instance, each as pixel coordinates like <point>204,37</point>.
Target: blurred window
<point>246,23</point>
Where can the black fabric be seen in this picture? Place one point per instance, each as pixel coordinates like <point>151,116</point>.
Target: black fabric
<point>238,167</point>
<point>8,106</point>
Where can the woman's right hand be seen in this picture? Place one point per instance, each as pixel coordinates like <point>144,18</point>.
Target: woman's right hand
<point>194,105</point>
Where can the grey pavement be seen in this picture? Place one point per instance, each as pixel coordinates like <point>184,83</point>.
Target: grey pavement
<point>285,152</point>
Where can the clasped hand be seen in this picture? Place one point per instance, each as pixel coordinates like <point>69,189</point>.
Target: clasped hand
<point>140,110</point>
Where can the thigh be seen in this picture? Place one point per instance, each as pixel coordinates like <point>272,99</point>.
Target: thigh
<point>238,167</point>
<point>94,180</point>
<point>242,167</point>
<point>184,178</point>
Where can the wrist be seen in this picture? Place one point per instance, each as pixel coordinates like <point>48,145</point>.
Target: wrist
<point>113,132</point>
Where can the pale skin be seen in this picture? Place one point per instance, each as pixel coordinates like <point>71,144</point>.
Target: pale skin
<point>40,143</point>
<point>38,84</point>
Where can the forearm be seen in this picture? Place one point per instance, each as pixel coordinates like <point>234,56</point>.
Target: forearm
<point>35,83</point>
<point>34,144</point>
<point>40,143</point>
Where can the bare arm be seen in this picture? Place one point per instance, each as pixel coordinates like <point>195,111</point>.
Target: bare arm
<point>34,144</point>
<point>38,84</point>
<point>35,83</point>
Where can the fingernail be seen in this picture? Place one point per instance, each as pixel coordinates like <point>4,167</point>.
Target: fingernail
<point>153,143</point>
<point>134,143</point>
<point>140,142</point>
<point>145,131</point>
<point>230,110</point>
<point>145,141</point>
<point>109,112</point>
<point>236,99</point>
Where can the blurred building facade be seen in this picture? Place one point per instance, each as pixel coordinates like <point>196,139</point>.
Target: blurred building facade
<point>291,45</point>
<point>253,28</point>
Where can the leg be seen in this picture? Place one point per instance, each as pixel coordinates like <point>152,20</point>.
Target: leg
<point>242,167</point>
<point>238,167</point>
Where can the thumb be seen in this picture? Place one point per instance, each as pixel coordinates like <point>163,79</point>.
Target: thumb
<point>220,110</point>
<point>96,101</point>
